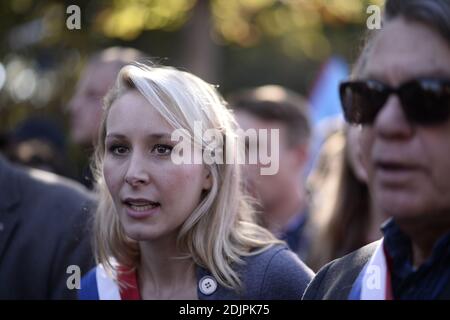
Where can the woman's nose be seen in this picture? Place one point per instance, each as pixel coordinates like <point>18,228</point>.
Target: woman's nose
<point>137,173</point>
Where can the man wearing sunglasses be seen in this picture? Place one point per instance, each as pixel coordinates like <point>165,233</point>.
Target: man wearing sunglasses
<point>401,99</point>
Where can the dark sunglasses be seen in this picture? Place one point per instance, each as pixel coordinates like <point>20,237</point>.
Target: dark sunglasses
<point>424,101</point>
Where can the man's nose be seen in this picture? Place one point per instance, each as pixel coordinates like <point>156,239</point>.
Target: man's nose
<point>391,121</point>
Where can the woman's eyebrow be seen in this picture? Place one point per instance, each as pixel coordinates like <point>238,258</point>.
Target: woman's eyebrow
<point>115,135</point>
<point>159,136</point>
<point>152,136</point>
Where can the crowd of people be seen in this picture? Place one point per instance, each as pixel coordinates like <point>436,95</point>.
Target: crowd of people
<point>370,221</point>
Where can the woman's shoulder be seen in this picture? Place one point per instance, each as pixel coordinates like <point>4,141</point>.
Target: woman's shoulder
<point>278,273</point>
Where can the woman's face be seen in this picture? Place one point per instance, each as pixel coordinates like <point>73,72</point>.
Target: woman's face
<point>152,195</point>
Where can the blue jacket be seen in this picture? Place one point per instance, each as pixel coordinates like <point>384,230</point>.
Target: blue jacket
<point>275,274</point>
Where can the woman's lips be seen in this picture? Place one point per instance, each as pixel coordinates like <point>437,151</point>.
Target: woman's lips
<point>140,208</point>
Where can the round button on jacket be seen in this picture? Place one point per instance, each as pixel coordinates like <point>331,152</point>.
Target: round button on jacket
<point>207,285</point>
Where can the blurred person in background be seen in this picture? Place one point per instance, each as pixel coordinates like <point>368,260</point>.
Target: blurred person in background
<point>282,197</point>
<point>343,216</point>
<point>402,100</point>
<point>39,143</point>
<point>342,213</point>
<point>85,107</point>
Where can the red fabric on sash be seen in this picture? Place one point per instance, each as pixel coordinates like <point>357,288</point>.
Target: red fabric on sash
<point>131,290</point>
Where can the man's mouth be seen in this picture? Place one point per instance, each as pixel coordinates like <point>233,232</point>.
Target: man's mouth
<point>396,173</point>
<point>395,166</point>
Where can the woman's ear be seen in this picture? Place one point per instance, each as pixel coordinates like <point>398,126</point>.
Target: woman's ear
<point>207,179</point>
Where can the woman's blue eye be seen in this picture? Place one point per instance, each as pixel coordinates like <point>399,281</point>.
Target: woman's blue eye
<point>162,149</point>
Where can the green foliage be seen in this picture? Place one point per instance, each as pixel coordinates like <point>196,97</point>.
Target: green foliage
<point>279,42</point>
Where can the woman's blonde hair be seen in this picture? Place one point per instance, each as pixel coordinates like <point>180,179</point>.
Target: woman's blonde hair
<point>222,228</point>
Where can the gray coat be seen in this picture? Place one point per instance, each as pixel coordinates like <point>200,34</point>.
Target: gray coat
<point>42,231</point>
<point>335,280</point>
<point>274,274</point>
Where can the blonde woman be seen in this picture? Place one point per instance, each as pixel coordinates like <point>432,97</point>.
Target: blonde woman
<point>166,230</point>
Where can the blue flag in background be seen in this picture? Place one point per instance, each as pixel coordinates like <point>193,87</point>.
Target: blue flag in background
<point>326,112</point>
<point>324,97</point>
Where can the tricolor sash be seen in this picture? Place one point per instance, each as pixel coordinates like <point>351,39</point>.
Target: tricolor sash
<point>99,285</point>
<point>374,281</point>
<point>108,289</point>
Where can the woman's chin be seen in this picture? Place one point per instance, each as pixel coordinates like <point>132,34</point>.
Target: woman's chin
<point>137,233</point>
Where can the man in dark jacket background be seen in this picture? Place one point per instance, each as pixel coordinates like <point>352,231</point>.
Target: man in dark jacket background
<point>44,238</point>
